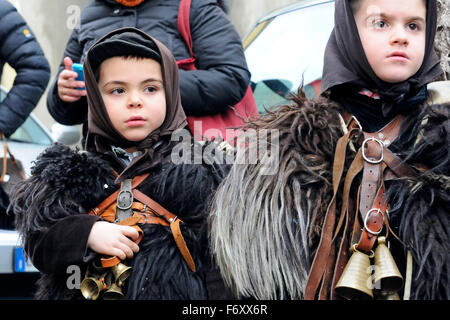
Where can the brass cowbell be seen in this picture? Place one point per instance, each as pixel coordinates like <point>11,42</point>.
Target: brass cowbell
<point>91,287</point>
<point>120,272</point>
<point>113,293</point>
<point>387,276</point>
<point>356,281</point>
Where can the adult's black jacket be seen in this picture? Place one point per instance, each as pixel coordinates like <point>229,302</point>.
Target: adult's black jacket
<point>20,49</point>
<point>221,80</point>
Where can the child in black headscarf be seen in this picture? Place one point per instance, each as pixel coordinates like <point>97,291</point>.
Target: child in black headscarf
<point>155,223</point>
<point>366,164</point>
<point>379,59</point>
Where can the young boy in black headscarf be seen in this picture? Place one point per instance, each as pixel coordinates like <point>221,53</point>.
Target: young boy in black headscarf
<point>155,223</point>
<point>365,165</point>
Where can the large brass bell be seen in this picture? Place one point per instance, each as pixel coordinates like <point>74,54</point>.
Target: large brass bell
<point>120,272</point>
<point>387,276</point>
<point>113,293</point>
<point>91,287</point>
<point>356,281</point>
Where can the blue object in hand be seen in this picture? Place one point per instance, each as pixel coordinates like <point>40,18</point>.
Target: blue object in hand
<point>78,68</point>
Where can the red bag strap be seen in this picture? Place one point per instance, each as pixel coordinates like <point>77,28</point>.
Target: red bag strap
<point>184,27</point>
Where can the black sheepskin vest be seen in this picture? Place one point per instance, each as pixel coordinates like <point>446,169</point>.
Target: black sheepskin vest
<point>66,183</point>
<point>283,213</point>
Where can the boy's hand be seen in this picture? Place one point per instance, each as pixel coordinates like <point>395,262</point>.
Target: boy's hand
<point>113,240</point>
<point>67,84</point>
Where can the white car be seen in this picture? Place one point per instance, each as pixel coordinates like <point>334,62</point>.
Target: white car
<point>285,50</point>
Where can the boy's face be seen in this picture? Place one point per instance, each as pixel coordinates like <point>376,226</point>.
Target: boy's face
<point>392,33</point>
<point>133,93</point>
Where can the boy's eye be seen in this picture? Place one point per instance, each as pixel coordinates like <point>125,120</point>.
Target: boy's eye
<point>379,24</point>
<point>413,26</point>
<point>117,91</point>
<point>150,89</point>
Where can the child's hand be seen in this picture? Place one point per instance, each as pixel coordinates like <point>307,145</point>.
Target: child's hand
<point>67,84</point>
<point>112,239</point>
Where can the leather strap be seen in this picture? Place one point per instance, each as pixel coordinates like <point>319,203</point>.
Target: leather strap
<point>318,267</point>
<point>373,221</point>
<point>342,254</point>
<point>373,204</point>
<point>181,244</point>
<point>374,148</point>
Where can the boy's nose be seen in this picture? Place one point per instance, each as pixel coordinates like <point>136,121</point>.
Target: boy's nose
<point>399,37</point>
<point>134,100</point>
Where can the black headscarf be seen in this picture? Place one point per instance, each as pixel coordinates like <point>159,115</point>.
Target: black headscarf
<point>347,70</point>
<point>131,42</point>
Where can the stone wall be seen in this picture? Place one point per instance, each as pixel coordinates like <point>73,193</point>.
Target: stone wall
<point>442,43</point>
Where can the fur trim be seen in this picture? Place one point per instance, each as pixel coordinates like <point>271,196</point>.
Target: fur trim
<point>264,226</point>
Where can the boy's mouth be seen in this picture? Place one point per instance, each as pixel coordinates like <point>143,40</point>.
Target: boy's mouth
<point>135,121</point>
<point>398,56</point>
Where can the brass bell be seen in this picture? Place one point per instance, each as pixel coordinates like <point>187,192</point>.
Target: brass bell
<point>355,281</point>
<point>120,272</point>
<point>387,276</point>
<point>91,288</point>
<point>113,293</point>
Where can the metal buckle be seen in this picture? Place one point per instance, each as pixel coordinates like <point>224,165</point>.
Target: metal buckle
<point>357,122</point>
<point>364,154</point>
<point>354,137</point>
<point>145,215</point>
<point>366,218</point>
<point>124,202</point>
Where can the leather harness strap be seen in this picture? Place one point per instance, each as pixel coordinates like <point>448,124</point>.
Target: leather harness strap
<point>145,211</point>
<point>319,263</point>
<point>372,158</point>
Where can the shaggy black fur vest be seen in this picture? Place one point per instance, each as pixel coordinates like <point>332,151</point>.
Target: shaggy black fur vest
<point>266,238</point>
<point>51,209</point>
